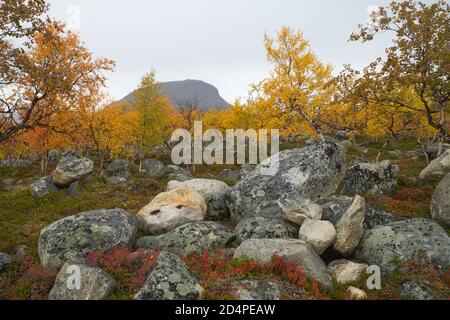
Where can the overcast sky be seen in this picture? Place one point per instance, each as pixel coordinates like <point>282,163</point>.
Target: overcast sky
<point>220,42</point>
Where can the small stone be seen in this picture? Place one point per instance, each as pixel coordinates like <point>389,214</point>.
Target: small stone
<point>346,271</point>
<point>356,294</point>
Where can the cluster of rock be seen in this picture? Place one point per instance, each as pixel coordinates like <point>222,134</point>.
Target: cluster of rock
<point>69,171</point>
<point>290,211</point>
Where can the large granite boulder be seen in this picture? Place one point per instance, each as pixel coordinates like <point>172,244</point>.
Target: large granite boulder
<point>265,228</point>
<point>170,279</point>
<point>72,238</point>
<point>372,178</point>
<point>71,169</point>
<point>199,237</point>
<point>42,187</point>
<point>319,234</point>
<point>405,240</point>
<point>213,191</point>
<point>312,172</point>
<point>172,209</point>
<point>94,283</point>
<point>439,166</point>
<point>440,202</point>
<point>297,251</point>
<point>334,207</point>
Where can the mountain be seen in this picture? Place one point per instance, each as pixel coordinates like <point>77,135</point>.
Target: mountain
<point>190,92</point>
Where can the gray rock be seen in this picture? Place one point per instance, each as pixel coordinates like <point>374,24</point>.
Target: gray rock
<point>5,261</point>
<point>297,251</point>
<point>118,171</point>
<point>440,202</point>
<point>153,168</point>
<point>350,228</point>
<point>405,240</point>
<point>438,166</point>
<point>372,178</point>
<point>347,144</point>
<point>170,279</point>
<point>71,238</point>
<point>311,172</point>
<point>395,153</point>
<point>229,175</point>
<point>71,169</point>
<point>160,150</point>
<point>246,169</point>
<point>14,163</point>
<point>319,234</point>
<point>53,156</point>
<point>42,187</point>
<point>199,237</point>
<point>254,290</point>
<point>94,283</point>
<point>116,180</point>
<point>342,135</point>
<point>296,209</point>
<point>265,228</point>
<point>334,207</point>
<point>433,150</point>
<point>213,191</point>
<point>177,173</point>
<point>412,291</point>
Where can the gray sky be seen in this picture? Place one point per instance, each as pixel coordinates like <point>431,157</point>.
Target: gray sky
<point>220,42</point>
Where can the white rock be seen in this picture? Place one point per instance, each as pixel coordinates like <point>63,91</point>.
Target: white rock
<point>440,165</point>
<point>356,294</point>
<point>172,209</point>
<point>347,271</point>
<point>319,234</point>
<point>350,228</point>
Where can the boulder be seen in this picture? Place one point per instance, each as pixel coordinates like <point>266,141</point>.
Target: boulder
<point>213,191</point>
<point>172,172</point>
<point>439,166</point>
<point>433,150</point>
<point>170,279</point>
<point>372,178</point>
<point>296,209</point>
<point>118,172</point>
<point>15,163</point>
<point>161,150</point>
<point>199,237</point>
<point>71,169</point>
<point>265,228</point>
<point>345,271</point>
<point>172,209</point>
<point>153,168</point>
<point>356,294</point>
<point>319,234</point>
<point>42,187</point>
<point>405,240</point>
<point>229,175</point>
<point>71,238</point>
<point>53,156</point>
<point>350,228</point>
<point>413,291</point>
<point>253,290</point>
<point>5,261</point>
<point>342,135</point>
<point>311,172</point>
<point>440,202</point>
<point>94,283</point>
<point>297,251</point>
<point>334,207</point>
<point>246,169</point>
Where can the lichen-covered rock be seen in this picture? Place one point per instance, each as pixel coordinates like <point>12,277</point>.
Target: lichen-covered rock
<point>71,169</point>
<point>253,290</point>
<point>319,234</point>
<point>440,165</point>
<point>334,207</point>
<point>440,202</point>
<point>296,209</point>
<point>372,178</point>
<point>13,163</point>
<point>405,240</point>
<point>229,175</point>
<point>297,251</point>
<point>5,261</point>
<point>160,150</point>
<point>172,209</point>
<point>413,291</point>
<point>153,168</point>
<point>345,271</point>
<point>172,172</point>
<point>71,238</point>
<point>213,191</point>
<point>94,283</point>
<point>198,237</point>
<point>53,156</point>
<point>350,228</point>
<point>311,172</point>
<point>118,172</point>
<point>170,279</point>
<point>42,187</point>
<point>265,228</point>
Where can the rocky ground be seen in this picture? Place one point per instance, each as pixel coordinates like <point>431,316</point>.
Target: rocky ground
<point>310,231</point>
